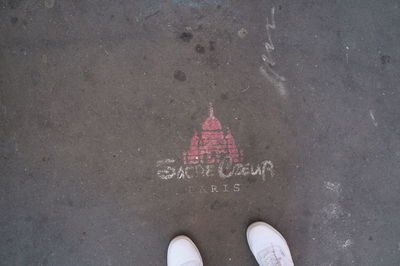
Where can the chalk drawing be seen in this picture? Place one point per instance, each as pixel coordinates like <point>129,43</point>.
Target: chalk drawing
<point>212,144</point>
<point>213,155</point>
<point>224,170</point>
<point>278,81</point>
<point>224,188</point>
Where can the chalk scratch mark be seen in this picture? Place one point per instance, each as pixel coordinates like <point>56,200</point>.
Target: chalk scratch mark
<point>334,187</point>
<point>196,3</point>
<point>347,243</point>
<point>269,45</point>
<point>163,162</point>
<point>152,15</point>
<point>271,75</point>
<point>274,79</point>
<point>372,115</point>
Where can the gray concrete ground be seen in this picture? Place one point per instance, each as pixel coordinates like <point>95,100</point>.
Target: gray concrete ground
<point>94,93</point>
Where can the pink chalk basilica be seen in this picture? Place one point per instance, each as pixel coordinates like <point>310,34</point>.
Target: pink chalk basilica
<point>212,144</point>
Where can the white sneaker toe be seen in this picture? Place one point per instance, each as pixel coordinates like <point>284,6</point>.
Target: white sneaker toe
<point>183,252</point>
<point>268,246</point>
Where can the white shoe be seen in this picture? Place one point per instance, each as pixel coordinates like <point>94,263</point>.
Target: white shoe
<point>268,245</point>
<point>183,252</point>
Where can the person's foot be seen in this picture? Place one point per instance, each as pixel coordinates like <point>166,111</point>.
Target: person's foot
<point>268,245</point>
<point>183,252</point>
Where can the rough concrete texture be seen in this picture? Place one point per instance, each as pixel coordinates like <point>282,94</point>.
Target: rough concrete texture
<point>94,93</point>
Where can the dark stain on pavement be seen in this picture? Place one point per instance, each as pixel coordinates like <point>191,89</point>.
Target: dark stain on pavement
<point>211,45</point>
<point>385,59</point>
<point>13,4</point>
<point>224,96</point>
<point>217,205</point>
<point>179,75</point>
<point>186,36</point>
<point>14,21</point>
<point>200,49</point>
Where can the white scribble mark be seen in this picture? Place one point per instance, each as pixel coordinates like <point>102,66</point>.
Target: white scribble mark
<point>242,33</point>
<point>347,243</point>
<point>272,76</point>
<point>332,211</point>
<point>163,162</point>
<point>269,45</point>
<point>49,3</point>
<point>246,89</point>
<point>372,115</point>
<point>334,214</point>
<point>335,187</point>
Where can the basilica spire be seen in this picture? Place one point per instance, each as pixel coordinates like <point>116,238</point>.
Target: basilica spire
<point>210,109</point>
